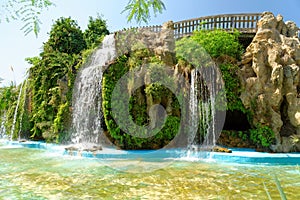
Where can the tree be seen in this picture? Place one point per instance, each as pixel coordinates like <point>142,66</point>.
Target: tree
<point>28,11</point>
<point>97,28</point>
<point>65,37</point>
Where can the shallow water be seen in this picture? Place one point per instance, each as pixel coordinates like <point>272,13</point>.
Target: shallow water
<point>38,174</point>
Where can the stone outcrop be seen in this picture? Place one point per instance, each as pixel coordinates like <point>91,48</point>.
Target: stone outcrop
<point>270,76</point>
<point>159,41</point>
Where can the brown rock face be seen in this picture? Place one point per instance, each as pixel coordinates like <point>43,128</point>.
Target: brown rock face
<point>270,76</point>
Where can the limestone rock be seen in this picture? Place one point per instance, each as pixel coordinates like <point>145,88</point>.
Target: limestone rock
<point>270,76</point>
<point>292,29</point>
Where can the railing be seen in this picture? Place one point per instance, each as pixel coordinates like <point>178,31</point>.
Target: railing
<point>244,23</point>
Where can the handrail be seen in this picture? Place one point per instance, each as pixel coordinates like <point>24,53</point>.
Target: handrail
<point>244,23</point>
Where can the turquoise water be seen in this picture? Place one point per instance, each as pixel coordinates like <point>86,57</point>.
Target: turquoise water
<point>27,173</point>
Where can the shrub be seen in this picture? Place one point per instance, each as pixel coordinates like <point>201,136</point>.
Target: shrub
<point>219,43</point>
<point>262,136</point>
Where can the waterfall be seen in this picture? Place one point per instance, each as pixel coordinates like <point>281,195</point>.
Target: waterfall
<point>2,127</point>
<point>86,122</point>
<point>22,111</point>
<point>208,106</point>
<point>193,107</point>
<point>16,112</point>
<point>202,107</point>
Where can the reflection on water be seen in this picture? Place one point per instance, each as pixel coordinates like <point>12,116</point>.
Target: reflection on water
<point>37,174</point>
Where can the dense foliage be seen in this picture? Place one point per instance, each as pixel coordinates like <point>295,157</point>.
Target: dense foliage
<point>51,80</point>
<point>46,98</point>
<point>8,100</point>
<point>225,49</point>
<point>140,9</point>
<point>219,43</point>
<point>263,136</point>
<point>93,35</point>
<point>138,106</point>
<point>65,37</point>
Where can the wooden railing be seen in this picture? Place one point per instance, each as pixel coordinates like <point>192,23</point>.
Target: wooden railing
<point>244,23</point>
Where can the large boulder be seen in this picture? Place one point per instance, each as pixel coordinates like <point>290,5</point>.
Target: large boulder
<point>270,76</point>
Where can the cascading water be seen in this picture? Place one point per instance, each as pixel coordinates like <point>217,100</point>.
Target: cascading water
<point>22,112</point>
<point>202,107</point>
<point>2,127</point>
<point>193,107</point>
<point>16,112</point>
<point>86,123</point>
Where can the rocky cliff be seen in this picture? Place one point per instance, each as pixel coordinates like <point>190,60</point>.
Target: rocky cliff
<point>270,75</point>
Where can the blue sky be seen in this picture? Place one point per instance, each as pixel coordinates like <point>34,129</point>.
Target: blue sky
<point>15,47</point>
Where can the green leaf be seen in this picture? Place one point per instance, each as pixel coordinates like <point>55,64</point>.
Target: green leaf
<point>140,9</point>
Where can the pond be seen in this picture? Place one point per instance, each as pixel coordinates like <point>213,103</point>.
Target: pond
<point>32,173</point>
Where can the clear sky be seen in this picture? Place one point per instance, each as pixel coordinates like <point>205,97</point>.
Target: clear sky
<point>15,47</point>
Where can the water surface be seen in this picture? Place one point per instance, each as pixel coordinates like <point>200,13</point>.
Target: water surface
<point>39,174</point>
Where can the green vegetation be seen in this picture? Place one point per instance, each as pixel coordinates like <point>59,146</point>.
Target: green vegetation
<point>8,101</point>
<point>46,109</point>
<point>140,9</point>
<point>219,43</point>
<point>51,80</point>
<point>65,37</point>
<point>262,135</point>
<point>224,48</point>
<point>26,11</point>
<point>46,100</point>
<point>232,87</point>
<point>93,35</point>
<point>138,104</point>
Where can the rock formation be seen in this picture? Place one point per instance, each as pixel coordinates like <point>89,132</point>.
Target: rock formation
<point>270,75</point>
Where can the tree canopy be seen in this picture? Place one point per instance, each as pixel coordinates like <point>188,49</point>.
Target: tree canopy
<point>97,28</point>
<point>65,37</point>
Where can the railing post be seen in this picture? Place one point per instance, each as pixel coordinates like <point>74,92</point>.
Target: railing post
<point>232,23</point>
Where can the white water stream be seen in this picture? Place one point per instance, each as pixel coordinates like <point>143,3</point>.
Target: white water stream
<point>16,112</point>
<point>86,123</point>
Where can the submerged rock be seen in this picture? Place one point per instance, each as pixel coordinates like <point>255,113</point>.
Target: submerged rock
<point>93,149</point>
<point>81,148</point>
<point>210,148</point>
<point>221,149</point>
<point>72,148</point>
